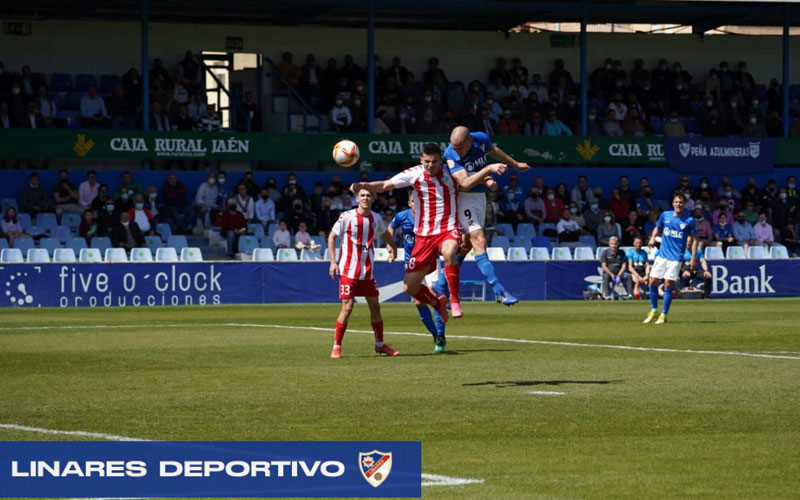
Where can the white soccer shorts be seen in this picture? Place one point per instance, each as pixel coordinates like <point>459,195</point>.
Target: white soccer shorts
<point>471,211</point>
<point>665,269</point>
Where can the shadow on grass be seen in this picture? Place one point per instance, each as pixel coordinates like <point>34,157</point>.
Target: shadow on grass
<point>530,383</point>
<point>445,353</point>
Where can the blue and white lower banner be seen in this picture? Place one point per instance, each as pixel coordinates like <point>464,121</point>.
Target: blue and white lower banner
<point>196,469</point>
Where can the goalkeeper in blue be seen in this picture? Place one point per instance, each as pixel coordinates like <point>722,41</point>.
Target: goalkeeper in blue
<point>677,228</point>
<point>466,155</point>
<point>404,221</point>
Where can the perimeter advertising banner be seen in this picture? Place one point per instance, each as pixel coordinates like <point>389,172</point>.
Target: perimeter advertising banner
<point>213,283</point>
<point>640,151</point>
<point>726,156</point>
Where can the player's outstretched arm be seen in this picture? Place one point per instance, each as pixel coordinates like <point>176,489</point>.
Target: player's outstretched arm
<point>372,187</point>
<point>490,183</point>
<point>503,157</point>
<point>467,182</point>
<point>388,238</point>
<point>334,267</point>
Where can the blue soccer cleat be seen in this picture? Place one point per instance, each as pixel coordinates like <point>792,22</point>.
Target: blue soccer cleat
<point>507,299</point>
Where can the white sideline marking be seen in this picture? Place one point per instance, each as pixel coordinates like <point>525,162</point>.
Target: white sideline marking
<point>547,393</point>
<point>427,479</point>
<point>412,334</point>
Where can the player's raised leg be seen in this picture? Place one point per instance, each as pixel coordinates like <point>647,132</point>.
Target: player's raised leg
<point>377,326</point>
<point>412,285</point>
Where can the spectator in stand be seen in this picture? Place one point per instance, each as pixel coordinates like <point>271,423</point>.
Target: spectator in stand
<point>153,204</point>
<point>179,93</point>
<point>98,203</point>
<point>743,232</point>
<point>88,189</point>
<point>457,96</point>
<point>65,195</point>
<point>534,207</point>
<point>16,105</point>
<point>561,193</point>
<point>725,186</point>
<point>615,269</point>
<point>88,227</point>
<point>620,207</point>
<point>176,209</point>
<point>700,272</point>
<point>680,98</point>
<point>132,83</point>
<point>244,203</point>
<point>712,85</point>
<point>751,193</point>
<point>33,119</point>
<point>554,207</point>
<point>500,71</point>
<point>736,115</point>
<point>494,108</point>
<point>298,214</point>
<point>206,197</point>
<point>282,238</point>
<point>560,74</point>
<point>784,210</point>
<point>250,182</point>
<point>723,232</point>
<point>703,231</point>
<point>250,106</point>
<point>652,220</point>
<point>753,128</point>
<point>518,70</point>
<point>182,122</point>
<point>638,267</point>
<point>646,203</point>
<point>128,182</point>
<point>93,110</point>
<point>47,108</point>
<point>11,227</point>
<point>6,120</point>
<point>107,218</point>
<point>582,193</point>
<point>265,209</point>
<point>402,123</point>
<point>197,109</point>
<point>341,119</point>
<point>191,74</point>
<point>722,208</point>
<point>611,126</point>
<point>303,240</point>
<point>125,200</point>
<point>750,213</point>
<point>674,126</point>
<point>291,184</point>
<point>634,125</point>
<point>608,229</point>
<point>427,125</point>
<point>311,78</point>
<point>593,217</point>
<point>158,120</point>
<point>127,234</point>
<point>211,122</point>
<point>769,194</point>
<point>28,82</point>
<point>774,125</point>
<point>569,227</point>
<point>232,226</point>
<point>593,125</point>
<point>619,108</point>
<point>507,125</point>
<point>497,89</point>
<point>142,216</point>
<point>765,235</point>
<point>512,207</point>
<point>535,126</point>
<point>789,237</point>
<point>631,228</point>
<point>554,126</point>
<point>625,192</point>
<point>119,109</point>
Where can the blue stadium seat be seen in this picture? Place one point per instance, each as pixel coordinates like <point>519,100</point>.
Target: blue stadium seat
<point>191,254</point>
<point>47,222</point>
<point>506,230</point>
<point>24,221</point>
<point>61,82</point>
<point>263,255</point>
<point>539,253</point>
<point>587,240</point>
<point>178,242</point>
<point>70,220</point>
<point>62,233</point>
<point>320,240</point>
<point>713,253</point>
<point>90,255</point>
<point>310,255</point>
<point>38,255</point>
<point>64,255</point>
<point>287,255</point>
<point>166,254</point>
<point>153,242</point>
<point>542,242</point>
<point>36,231</point>
<point>140,254</point>
<point>9,202</point>
<point>778,252</point>
<point>584,253</point>
<point>164,231</point>
<point>116,255</point>
<point>50,244</point>
<point>501,242</point>
<point>517,253</point>
<point>83,81</point>
<point>247,244</point>
<point>256,229</point>
<point>76,243</point>
<point>24,244</point>
<point>522,240</point>
<point>3,243</point>
<point>526,229</point>
<point>11,256</point>
<point>266,242</point>
<point>101,243</point>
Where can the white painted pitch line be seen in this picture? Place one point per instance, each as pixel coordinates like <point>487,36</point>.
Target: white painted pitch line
<point>547,393</point>
<point>427,479</point>
<point>415,334</point>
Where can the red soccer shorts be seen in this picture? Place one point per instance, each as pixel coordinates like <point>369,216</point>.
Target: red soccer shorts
<point>427,250</point>
<point>349,288</point>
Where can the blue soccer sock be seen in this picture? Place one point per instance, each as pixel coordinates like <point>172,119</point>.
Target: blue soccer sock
<point>426,318</point>
<point>653,292</point>
<point>439,323</point>
<point>487,270</point>
<point>667,300</point>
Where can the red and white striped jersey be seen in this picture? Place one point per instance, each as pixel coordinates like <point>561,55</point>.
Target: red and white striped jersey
<point>434,197</point>
<point>358,232</point>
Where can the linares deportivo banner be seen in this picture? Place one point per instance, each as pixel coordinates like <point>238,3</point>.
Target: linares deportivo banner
<point>191,469</point>
<point>214,283</point>
<point>126,144</point>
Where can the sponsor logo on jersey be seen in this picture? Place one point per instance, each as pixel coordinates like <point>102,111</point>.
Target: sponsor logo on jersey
<point>672,233</point>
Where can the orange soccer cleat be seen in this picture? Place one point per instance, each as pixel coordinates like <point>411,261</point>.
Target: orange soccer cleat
<point>385,349</point>
<point>336,353</point>
<point>455,309</point>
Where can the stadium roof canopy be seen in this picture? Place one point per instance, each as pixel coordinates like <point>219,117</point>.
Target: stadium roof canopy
<point>412,14</point>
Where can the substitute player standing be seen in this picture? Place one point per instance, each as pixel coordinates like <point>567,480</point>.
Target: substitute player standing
<point>358,228</point>
<point>435,224</point>
<point>404,220</point>
<point>676,227</point>
<point>465,157</point>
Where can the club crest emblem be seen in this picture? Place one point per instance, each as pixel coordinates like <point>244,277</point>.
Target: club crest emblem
<point>684,148</point>
<point>755,149</point>
<point>375,466</point>
<point>683,226</point>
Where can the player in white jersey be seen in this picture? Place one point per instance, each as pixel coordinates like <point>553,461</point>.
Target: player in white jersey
<point>358,228</point>
<point>435,223</point>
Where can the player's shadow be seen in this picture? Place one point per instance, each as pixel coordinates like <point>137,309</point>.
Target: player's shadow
<point>531,383</point>
<point>457,353</point>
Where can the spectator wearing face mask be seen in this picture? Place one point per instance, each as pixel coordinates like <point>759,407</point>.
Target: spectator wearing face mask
<point>608,229</point>
<point>176,207</point>
<point>593,125</point>
<point>722,208</point>
<point>554,207</point>
<point>554,126</point>
<point>142,216</point>
<point>512,207</point>
<point>754,127</point>
<point>125,200</point>
<point>265,209</point>
<point>674,126</point>
<point>765,235</point>
<point>88,227</point>
<point>723,232</point>
<point>107,218</point>
<point>784,209</point>
<point>206,197</point>
<point>127,234</point>
<point>402,123</point>
<point>535,210</point>
<point>65,195</point>
<point>703,232</point>
<point>743,232</point>
<point>593,217</point>
<point>646,202</point>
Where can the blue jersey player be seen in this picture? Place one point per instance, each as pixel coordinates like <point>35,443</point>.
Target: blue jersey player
<point>467,154</point>
<point>677,228</point>
<point>404,221</point>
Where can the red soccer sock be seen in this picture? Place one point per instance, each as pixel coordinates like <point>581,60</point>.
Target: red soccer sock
<point>453,275</point>
<point>378,329</point>
<point>340,329</point>
<point>426,296</point>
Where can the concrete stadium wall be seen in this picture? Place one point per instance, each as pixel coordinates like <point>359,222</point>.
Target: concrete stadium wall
<point>113,47</point>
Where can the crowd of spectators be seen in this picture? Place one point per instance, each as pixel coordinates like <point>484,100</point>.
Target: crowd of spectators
<point>178,101</point>
<point>725,214</point>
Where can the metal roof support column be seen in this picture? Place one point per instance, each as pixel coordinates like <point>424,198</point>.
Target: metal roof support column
<point>584,77</point>
<point>145,73</point>
<point>786,69</point>
<point>371,68</point>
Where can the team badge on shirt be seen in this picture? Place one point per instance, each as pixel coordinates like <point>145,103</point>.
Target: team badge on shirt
<point>683,226</point>
<point>375,466</point>
<point>451,163</point>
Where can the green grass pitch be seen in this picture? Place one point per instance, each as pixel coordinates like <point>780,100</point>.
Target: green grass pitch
<point>629,424</point>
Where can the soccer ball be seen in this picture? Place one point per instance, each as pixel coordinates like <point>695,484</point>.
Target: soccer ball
<point>345,153</point>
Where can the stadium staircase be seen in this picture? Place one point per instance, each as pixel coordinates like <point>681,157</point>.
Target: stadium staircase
<point>289,111</point>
